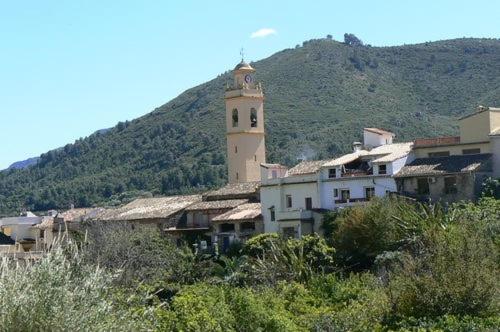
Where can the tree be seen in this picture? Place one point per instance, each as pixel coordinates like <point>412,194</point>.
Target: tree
<point>351,40</point>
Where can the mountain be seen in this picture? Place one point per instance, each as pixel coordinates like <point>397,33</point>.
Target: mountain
<point>319,96</point>
<point>24,163</point>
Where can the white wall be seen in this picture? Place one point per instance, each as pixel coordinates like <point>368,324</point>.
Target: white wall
<point>275,195</point>
<point>374,140</point>
<point>356,187</point>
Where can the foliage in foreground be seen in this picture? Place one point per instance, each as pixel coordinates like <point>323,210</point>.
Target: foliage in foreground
<point>59,293</point>
<point>438,271</point>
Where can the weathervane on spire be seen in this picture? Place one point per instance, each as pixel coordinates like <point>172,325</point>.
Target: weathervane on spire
<point>242,53</point>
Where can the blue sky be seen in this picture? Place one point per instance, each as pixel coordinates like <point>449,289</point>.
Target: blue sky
<point>68,68</point>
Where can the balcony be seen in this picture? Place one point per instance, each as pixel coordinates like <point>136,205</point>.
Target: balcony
<point>294,215</point>
<point>355,172</point>
<point>351,200</point>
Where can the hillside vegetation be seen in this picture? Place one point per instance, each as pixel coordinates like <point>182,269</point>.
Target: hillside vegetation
<point>318,98</point>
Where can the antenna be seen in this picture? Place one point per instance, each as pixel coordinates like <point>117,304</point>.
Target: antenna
<point>242,53</point>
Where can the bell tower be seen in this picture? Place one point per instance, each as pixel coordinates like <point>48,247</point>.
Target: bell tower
<point>246,148</point>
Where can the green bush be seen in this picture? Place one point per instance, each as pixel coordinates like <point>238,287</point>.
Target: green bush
<point>456,274</point>
<point>60,293</point>
<point>259,244</point>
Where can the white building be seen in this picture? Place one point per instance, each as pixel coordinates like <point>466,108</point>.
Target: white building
<point>364,173</point>
<point>293,200</point>
<point>290,199</point>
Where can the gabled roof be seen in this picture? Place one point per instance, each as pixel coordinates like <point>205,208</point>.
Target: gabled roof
<point>447,165</point>
<point>379,131</point>
<point>347,158</point>
<point>82,214</point>
<point>247,211</point>
<point>384,153</point>
<point>234,191</point>
<point>150,208</point>
<point>306,167</point>
<point>267,165</point>
<point>216,205</point>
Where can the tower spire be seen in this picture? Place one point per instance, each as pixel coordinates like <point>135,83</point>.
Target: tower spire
<point>242,53</point>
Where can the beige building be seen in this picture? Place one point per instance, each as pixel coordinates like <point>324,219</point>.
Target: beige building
<point>476,131</point>
<point>246,148</point>
<point>453,168</point>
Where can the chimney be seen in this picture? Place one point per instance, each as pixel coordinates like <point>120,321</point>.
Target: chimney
<point>356,146</point>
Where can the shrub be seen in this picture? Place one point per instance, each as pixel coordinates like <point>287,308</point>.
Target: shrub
<point>202,307</point>
<point>456,274</point>
<point>59,293</point>
<point>140,252</point>
<point>259,244</point>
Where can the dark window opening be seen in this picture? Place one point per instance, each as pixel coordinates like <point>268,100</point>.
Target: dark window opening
<point>289,232</point>
<point>253,117</point>
<point>471,151</point>
<point>235,149</point>
<point>309,203</point>
<point>335,193</point>
<point>450,185</point>
<point>357,167</point>
<point>332,173</point>
<point>423,186</point>
<point>237,176</point>
<point>235,117</point>
<point>247,226</point>
<point>273,214</point>
<point>227,227</point>
<point>288,201</point>
<point>382,169</point>
<point>369,192</point>
<point>439,154</point>
<point>345,195</point>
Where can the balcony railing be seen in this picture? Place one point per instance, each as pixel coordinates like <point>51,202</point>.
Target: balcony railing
<point>355,172</point>
<point>294,215</point>
<point>351,200</point>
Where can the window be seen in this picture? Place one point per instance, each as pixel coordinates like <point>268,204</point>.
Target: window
<point>235,117</point>
<point>335,193</point>
<point>450,185</point>
<point>273,214</point>
<point>254,157</point>
<point>345,195</point>
<point>309,203</point>
<point>247,226</point>
<point>332,173</point>
<point>253,117</point>
<point>382,169</point>
<point>235,149</point>
<point>423,186</point>
<point>227,227</point>
<point>288,201</point>
<point>439,154</point>
<point>237,176</point>
<point>369,192</point>
<point>274,174</point>
<point>289,232</point>
<point>471,151</point>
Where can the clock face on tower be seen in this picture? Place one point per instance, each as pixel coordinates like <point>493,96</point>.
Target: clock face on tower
<point>248,78</point>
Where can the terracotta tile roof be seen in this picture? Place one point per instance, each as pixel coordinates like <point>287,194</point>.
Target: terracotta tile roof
<point>266,165</point>
<point>150,208</point>
<point>247,211</point>
<point>436,141</point>
<point>306,167</point>
<point>234,191</point>
<point>379,131</point>
<point>216,205</point>
<point>447,165</point>
<point>347,158</point>
<point>75,215</point>
<point>47,223</point>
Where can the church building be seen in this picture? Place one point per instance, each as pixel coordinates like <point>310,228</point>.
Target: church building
<point>246,148</point>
